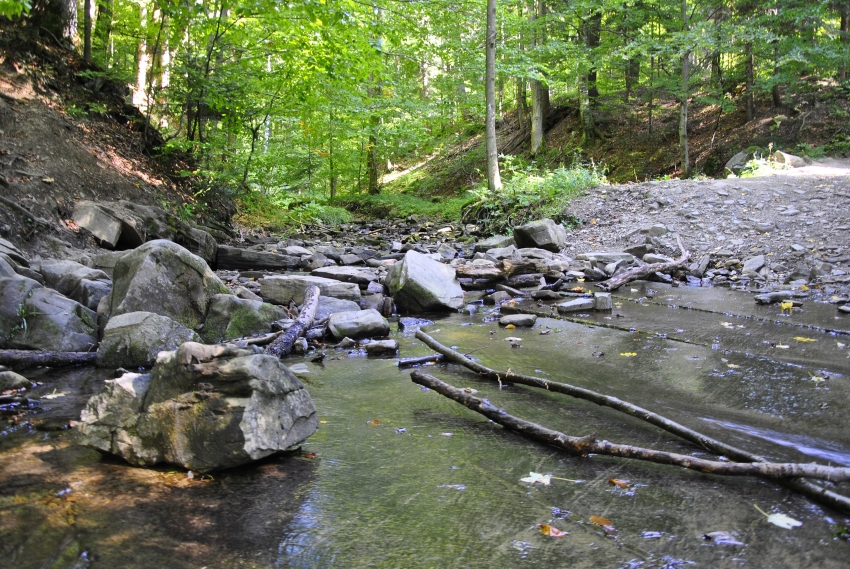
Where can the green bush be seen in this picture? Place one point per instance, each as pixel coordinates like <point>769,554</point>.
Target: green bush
<point>527,195</point>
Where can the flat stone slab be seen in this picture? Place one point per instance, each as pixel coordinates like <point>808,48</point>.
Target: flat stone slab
<point>229,258</point>
<point>361,277</point>
<point>576,305</point>
<point>283,289</point>
<point>607,257</point>
<point>518,320</point>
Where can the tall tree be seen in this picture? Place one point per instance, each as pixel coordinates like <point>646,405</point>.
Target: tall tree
<point>685,94</point>
<point>494,181</point>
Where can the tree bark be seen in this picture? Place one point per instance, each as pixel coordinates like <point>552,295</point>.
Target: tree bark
<point>87,29</point>
<point>589,445</point>
<point>592,36</point>
<point>844,33</point>
<point>494,181</point>
<point>283,344</point>
<point>750,72</point>
<point>21,359</point>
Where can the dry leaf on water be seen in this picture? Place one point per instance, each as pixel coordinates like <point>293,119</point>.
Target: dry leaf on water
<point>533,477</point>
<point>551,531</point>
<point>783,521</point>
<point>618,483</point>
<point>374,422</point>
<point>804,339</point>
<point>628,354</point>
<point>605,523</point>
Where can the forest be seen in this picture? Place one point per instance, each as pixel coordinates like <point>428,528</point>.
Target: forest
<point>304,104</point>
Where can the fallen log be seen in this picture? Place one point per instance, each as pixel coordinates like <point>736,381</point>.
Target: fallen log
<point>282,345</point>
<point>22,359</point>
<point>817,493</point>
<point>643,271</point>
<point>419,361</point>
<point>482,273</point>
<point>589,444</point>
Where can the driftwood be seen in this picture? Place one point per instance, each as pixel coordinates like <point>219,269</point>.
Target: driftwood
<point>21,359</point>
<point>419,361</point>
<point>476,272</point>
<point>822,495</point>
<point>643,271</point>
<point>282,345</point>
<point>589,444</point>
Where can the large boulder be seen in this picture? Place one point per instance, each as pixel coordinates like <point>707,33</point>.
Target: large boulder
<point>161,224</point>
<point>202,407</point>
<point>358,324</point>
<point>134,339</point>
<point>418,283</point>
<point>543,234</point>
<point>164,278</point>
<point>283,289</point>
<point>34,317</point>
<point>76,281</point>
<point>233,317</point>
<point>238,258</point>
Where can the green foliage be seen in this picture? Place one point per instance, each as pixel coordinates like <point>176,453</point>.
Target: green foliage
<point>287,212</point>
<point>528,194</point>
<point>14,8</point>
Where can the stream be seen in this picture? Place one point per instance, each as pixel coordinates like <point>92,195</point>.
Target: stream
<point>399,476</point>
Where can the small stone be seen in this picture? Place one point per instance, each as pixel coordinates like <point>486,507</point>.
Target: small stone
<point>753,264</point>
<point>653,258</point>
<point>12,380</point>
<point>656,230</point>
<point>518,320</point>
<point>380,347</point>
<point>797,248</point>
<point>845,309</point>
<point>764,227</point>
<point>545,295</point>
<point>496,297</point>
<point>790,211</point>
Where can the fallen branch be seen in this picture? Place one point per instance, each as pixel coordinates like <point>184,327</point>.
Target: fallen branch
<point>822,495</point>
<point>21,359</point>
<point>24,211</point>
<point>283,344</point>
<point>419,361</point>
<point>589,444</point>
<point>636,273</point>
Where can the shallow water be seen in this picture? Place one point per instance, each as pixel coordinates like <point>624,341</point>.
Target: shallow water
<point>404,477</point>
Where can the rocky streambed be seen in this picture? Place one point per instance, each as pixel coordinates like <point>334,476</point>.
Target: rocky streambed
<point>399,476</point>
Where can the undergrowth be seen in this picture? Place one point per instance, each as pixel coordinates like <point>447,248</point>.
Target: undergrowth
<point>384,206</point>
<point>528,194</point>
<point>285,213</point>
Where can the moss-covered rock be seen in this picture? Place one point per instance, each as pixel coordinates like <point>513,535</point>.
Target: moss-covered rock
<point>232,317</point>
<point>134,339</point>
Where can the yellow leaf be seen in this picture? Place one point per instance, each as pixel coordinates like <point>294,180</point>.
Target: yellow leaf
<point>628,354</point>
<point>551,531</point>
<point>803,339</point>
<point>619,483</point>
<point>732,366</point>
<point>510,327</point>
<point>804,288</point>
<point>600,521</point>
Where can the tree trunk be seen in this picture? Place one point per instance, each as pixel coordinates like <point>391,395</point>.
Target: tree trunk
<point>142,60</point>
<point>103,29</point>
<point>283,344</point>
<point>750,71</point>
<point>538,99</point>
<point>585,112</point>
<point>87,29</point>
<point>494,181</point>
<point>22,359</point>
<point>845,40</point>
<point>332,172</point>
<point>372,147</point>
<point>632,76</point>
<point>683,113</point>
<point>521,105</point>
<point>592,36</point>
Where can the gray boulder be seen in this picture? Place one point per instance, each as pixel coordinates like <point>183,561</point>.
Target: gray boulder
<point>495,242</point>
<point>518,320</point>
<point>202,407</point>
<point>134,339</point>
<point>76,281</point>
<point>8,249</point>
<point>283,289</point>
<point>34,317</point>
<point>358,324</point>
<point>232,317</point>
<point>12,380</point>
<point>329,305</point>
<point>543,234</point>
<point>420,284</point>
<point>789,160</point>
<point>361,277</point>
<point>164,278</point>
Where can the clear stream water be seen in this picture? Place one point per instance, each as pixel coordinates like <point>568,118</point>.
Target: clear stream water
<point>403,477</point>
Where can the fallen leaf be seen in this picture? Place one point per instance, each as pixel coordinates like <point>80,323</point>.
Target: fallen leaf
<point>578,289</point>
<point>732,366</point>
<point>727,324</point>
<point>374,422</point>
<point>783,521</point>
<point>600,521</point>
<point>510,327</point>
<point>533,477</point>
<point>48,180</point>
<point>722,538</point>
<point>804,339</point>
<point>804,288</point>
<point>311,455</point>
<point>54,395</point>
<point>628,354</point>
<point>840,345</point>
<point>551,531</point>
<point>323,422</point>
<point>787,305</point>
<point>783,346</point>
<point>619,483</point>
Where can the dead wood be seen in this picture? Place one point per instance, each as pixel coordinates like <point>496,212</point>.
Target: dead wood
<point>813,491</point>
<point>419,361</point>
<point>589,444</point>
<point>282,345</point>
<point>643,271</point>
<point>483,273</point>
<point>22,359</point>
